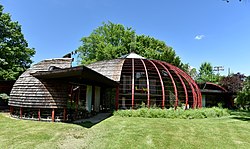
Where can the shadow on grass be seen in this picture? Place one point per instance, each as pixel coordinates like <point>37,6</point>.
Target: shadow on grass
<point>241,115</point>
<point>88,123</point>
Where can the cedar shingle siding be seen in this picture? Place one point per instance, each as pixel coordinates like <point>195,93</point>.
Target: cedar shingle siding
<point>32,92</point>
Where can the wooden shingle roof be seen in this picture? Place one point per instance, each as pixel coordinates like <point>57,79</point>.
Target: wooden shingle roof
<point>29,91</point>
<point>109,68</point>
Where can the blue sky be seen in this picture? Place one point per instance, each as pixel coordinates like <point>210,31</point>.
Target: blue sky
<point>199,30</point>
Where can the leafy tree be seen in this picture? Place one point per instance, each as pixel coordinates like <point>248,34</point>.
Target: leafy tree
<point>192,72</point>
<point>206,73</point>
<point>233,83</point>
<point>111,41</point>
<point>243,97</point>
<point>206,68</point>
<point>4,97</point>
<point>14,52</point>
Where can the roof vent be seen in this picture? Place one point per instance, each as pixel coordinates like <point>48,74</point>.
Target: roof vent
<point>53,68</point>
<point>133,55</point>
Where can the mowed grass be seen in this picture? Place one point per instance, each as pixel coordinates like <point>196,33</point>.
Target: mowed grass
<point>129,132</point>
<point>15,133</point>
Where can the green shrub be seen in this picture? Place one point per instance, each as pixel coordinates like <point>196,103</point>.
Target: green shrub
<point>171,113</point>
<point>4,96</point>
<point>210,113</point>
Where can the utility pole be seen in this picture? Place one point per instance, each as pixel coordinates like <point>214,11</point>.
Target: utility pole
<point>218,69</point>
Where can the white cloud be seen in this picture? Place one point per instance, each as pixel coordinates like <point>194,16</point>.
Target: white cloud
<point>199,37</point>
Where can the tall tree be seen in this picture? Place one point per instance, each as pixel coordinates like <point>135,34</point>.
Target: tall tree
<point>192,72</point>
<point>111,41</point>
<point>15,56</point>
<point>206,73</point>
<point>243,97</point>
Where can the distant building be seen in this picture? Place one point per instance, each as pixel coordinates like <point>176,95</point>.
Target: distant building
<point>214,94</point>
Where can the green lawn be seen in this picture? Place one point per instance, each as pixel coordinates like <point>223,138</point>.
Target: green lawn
<point>129,132</point>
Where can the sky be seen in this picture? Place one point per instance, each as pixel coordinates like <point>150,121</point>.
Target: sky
<point>198,30</point>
